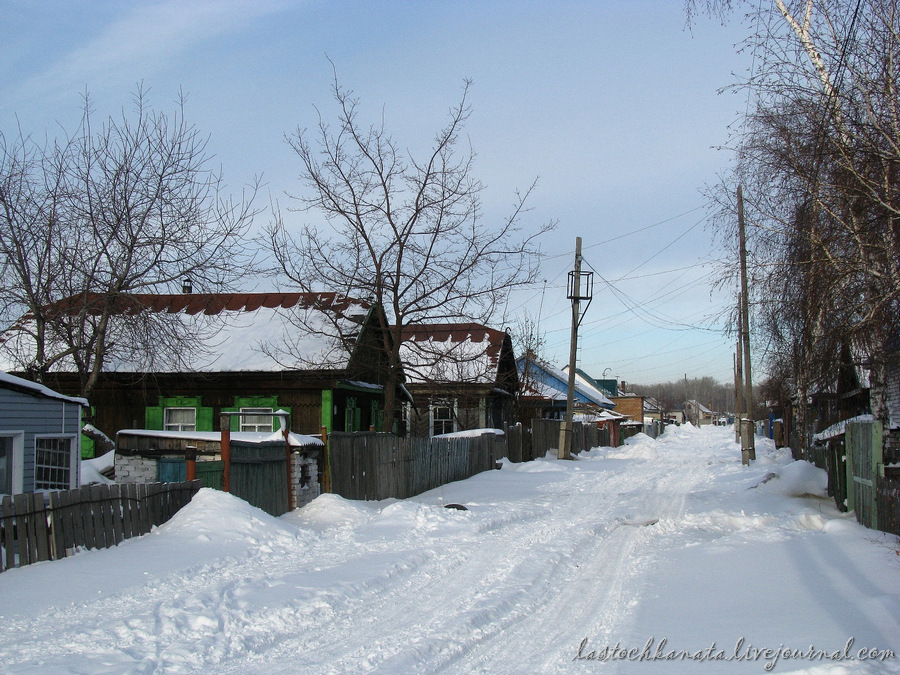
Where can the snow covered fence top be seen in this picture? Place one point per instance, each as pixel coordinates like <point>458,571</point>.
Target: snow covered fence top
<point>214,437</point>
<point>840,428</point>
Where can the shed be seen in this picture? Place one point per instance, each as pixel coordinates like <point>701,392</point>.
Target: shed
<point>40,437</point>
<point>258,463</point>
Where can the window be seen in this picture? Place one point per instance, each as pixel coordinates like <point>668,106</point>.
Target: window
<point>405,419</point>
<point>11,463</point>
<point>180,419</point>
<point>54,463</point>
<point>353,415</point>
<point>253,420</point>
<point>442,417</point>
<point>6,468</point>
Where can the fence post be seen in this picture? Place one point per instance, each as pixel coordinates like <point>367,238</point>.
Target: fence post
<point>326,470</point>
<point>225,427</point>
<point>190,462</point>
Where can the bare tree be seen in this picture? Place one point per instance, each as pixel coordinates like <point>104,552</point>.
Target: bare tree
<point>130,207</point>
<point>818,156</point>
<point>406,233</point>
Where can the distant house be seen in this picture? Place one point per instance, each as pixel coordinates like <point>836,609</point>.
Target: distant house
<point>545,391</point>
<point>608,388</point>
<point>698,414</point>
<point>460,376</point>
<point>318,356</point>
<point>631,405</point>
<point>40,437</point>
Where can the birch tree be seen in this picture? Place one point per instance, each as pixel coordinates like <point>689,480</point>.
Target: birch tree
<point>818,156</point>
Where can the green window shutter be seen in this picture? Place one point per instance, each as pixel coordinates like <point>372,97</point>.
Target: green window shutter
<point>327,409</point>
<point>88,451</point>
<point>153,417</point>
<point>377,416</point>
<point>351,416</point>
<point>234,419</point>
<point>204,419</point>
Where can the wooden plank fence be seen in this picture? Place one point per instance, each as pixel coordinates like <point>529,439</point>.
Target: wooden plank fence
<point>545,436</point>
<point>888,503</point>
<point>374,466</point>
<point>864,454</point>
<point>36,528</point>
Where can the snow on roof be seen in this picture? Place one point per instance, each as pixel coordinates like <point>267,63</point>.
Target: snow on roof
<point>252,437</point>
<point>12,382</point>
<point>463,352</point>
<point>555,393</point>
<point>702,408</point>
<point>235,331</point>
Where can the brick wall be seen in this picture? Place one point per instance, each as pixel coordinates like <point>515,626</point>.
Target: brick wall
<point>306,484</point>
<point>135,469</point>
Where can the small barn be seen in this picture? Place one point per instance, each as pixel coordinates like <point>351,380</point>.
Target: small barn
<point>257,463</point>
<point>40,437</point>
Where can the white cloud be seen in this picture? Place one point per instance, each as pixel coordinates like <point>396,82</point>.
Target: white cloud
<point>142,41</point>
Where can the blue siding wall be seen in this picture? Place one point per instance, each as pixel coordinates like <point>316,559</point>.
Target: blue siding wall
<point>37,415</point>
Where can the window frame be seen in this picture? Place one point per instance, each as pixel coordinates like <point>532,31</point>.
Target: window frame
<point>450,404</point>
<point>16,465</point>
<point>73,454</point>
<point>252,411</point>
<point>166,424</point>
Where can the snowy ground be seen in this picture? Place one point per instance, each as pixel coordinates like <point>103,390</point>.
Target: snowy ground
<point>668,552</point>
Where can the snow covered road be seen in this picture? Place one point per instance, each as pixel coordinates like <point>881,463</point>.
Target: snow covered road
<point>668,552</point>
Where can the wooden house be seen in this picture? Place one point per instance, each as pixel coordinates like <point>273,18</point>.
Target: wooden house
<point>40,437</point>
<point>545,391</point>
<point>318,356</point>
<point>698,414</point>
<point>460,376</point>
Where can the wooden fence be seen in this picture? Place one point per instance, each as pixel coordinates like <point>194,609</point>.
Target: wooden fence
<point>375,466</point>
<point>545,436</point>
<point>94,516</point>
<point>888,504</point>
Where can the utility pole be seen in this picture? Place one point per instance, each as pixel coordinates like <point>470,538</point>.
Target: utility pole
<point>575,293</point>
<point>739,385</point>
<point>749,442</point>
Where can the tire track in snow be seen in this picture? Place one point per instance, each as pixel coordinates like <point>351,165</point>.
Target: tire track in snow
<point>553,585</point>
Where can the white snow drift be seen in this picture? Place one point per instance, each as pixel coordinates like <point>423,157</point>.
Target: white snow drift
<point>661,556</point>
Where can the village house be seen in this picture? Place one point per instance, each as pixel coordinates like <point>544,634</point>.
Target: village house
<point>40,437</point>
<point>317,356</point>
<point>460,376</point>
<point>545,391</point>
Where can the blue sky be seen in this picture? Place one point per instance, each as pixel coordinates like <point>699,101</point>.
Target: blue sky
<point>613,106</point>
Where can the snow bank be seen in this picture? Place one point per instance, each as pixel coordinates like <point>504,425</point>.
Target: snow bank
<point>797,479</point>
<point>552,561</point>
<point>92,469</point>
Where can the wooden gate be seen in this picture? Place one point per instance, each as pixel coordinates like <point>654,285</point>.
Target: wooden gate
<point>864,457</point>
<point>259,476</point>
